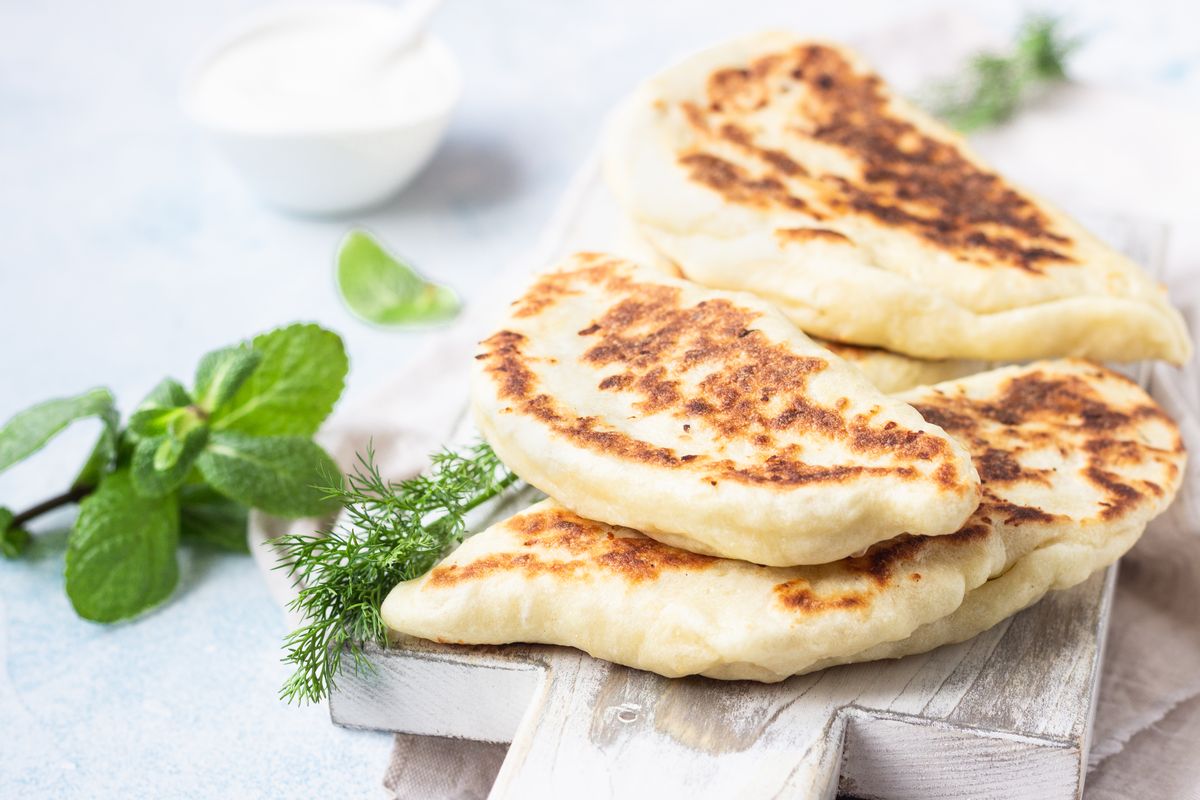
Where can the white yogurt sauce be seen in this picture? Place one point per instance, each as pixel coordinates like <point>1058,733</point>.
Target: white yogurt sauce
<point>321,68</point>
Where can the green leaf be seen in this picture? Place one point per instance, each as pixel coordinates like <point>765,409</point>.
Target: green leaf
<point>161,463</point>
<point>221,373</point>
<point>275,473</point>
<point>380,288</point>
<point>29,430</point>
<point>104,453</point>
<point>154,415</point>
<point>991,87</point>
<point>1043,48</point>
<point>13,540</point>
<point>211,518</point>
<point>121,553</point>
<point>300,377</point>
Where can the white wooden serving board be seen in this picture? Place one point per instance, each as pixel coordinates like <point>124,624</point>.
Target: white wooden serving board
<point>1006,714</point>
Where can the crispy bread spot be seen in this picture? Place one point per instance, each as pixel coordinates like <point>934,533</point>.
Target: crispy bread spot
<point>777,159</point>
<point>1114,451</point>
<point>1013,513</point>
<point>507,366</point>
<point>1120,496</point>
<point>879,561</point>
<point>946,418</point>
<point>902,178</point>
<point>730,89</point>
<point>660,393</point>
<point>910,445</point>
<point>586,547</point>
<point>586,431</point>
<point>737,185</point>
<point>884,560</point>
<point>1033,396</point>
<point>806,235</point>
<point>695,116</point>
<point>1001,466</point>
<point>556,528</point>
<point>640,559</point>
<point>783,471</point>
<point>616,382</point>
<point>797,595</point>
<point>525,563</point>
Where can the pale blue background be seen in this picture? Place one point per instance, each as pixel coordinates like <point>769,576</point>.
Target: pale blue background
<point>128,250</point>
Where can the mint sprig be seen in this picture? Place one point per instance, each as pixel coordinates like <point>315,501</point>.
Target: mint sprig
<point>187,466</point>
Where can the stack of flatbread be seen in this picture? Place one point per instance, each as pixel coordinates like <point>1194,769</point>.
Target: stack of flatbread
<point>730,497</point>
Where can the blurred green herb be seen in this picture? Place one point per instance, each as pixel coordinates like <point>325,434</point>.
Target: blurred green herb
<point>994,85</point>
<point>392,532</point>
<point>187,464</point>
<point>380,288</point>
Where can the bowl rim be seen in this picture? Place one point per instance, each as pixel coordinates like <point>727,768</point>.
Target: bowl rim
<point>260,19</point>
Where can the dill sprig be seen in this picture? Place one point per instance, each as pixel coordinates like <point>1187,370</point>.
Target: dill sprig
<point>995,85</point>
<point>391,532</point>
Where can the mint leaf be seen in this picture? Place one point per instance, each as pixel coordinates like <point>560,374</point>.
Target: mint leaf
<point>121,553</point>
<point>221,373</point>
<point>300,377</point>
<point>161,463</point>
<point>155,414</point>
<point>104,452</point>
<point>275,473</point>
<point>167,393</point>
<point>211,518</point>
<point>29,430</point>
<point>13,541</point>
<point>380,288</point>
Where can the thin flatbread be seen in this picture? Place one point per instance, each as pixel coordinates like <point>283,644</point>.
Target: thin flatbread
<point>787,168</point>
<point>706,420</point>
<point>1075,460</point>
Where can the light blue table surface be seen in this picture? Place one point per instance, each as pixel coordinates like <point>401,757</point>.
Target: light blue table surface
<point>128,250</point>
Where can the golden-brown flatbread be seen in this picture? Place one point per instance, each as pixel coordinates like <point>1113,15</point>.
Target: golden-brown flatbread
<point>786,167</point>
<point>705,419</point>
<point>1075,460</point>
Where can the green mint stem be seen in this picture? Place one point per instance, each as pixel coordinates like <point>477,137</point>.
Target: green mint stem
<point>73,495</point>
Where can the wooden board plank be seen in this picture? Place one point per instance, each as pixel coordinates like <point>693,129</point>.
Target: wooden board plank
<point>1009,709</point>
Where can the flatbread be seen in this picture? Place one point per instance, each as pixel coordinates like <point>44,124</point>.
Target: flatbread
<point>889,372</point>
<point>786,167</point>
<point>706,420</point>
<point>1075,460</point>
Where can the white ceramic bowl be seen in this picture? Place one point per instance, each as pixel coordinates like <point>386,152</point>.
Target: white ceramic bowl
<point>337,168</point>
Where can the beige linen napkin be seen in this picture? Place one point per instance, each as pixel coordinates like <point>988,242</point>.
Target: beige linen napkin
<point>1147,730</point>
